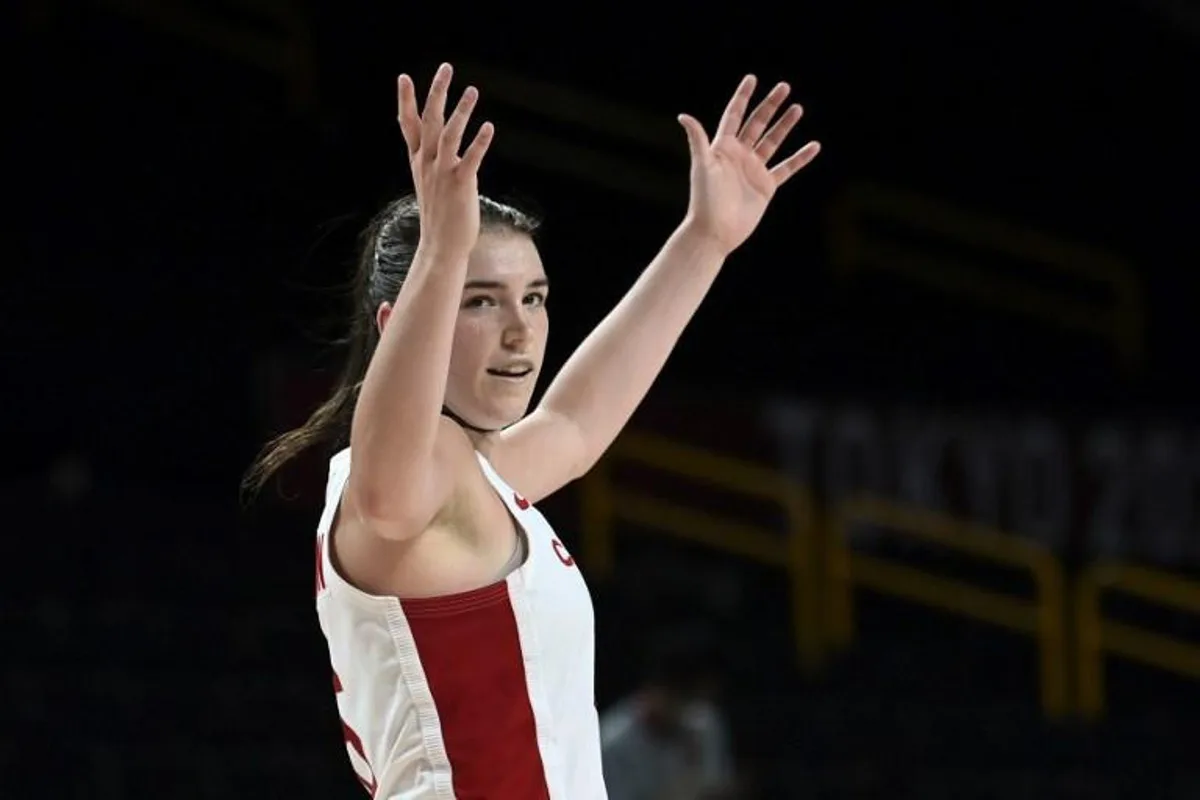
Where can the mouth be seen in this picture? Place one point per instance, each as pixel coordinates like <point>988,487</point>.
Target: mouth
<point>514,372</point>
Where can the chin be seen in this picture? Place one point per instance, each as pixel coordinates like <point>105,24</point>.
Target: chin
<point>514,416</point>
<point>504,412</point>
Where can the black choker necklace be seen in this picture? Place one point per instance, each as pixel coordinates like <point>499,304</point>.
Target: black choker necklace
<point>464,423</point>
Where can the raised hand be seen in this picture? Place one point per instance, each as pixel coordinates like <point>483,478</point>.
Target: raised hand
<point>731,182</point>
<point>446,183</point>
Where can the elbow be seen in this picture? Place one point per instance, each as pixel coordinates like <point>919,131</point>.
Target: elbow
<point>398,495</point>
<point>385,512</point>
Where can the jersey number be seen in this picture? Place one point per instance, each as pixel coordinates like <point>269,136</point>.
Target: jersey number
<point>354,743</point>
<point>354,746</point>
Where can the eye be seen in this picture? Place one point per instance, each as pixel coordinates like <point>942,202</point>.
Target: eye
<point>536,299</point>
<point>478,301</point>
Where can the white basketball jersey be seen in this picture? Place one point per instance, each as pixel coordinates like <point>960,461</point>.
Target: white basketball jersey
<point>486,694</point>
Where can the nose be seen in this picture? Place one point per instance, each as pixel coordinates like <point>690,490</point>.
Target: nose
<point>517,331</point>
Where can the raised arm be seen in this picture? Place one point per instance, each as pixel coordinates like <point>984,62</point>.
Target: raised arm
<point>601,385</point>
<point>402,472</point>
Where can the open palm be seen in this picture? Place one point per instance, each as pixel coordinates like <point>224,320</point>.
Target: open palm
<point>731,182</point>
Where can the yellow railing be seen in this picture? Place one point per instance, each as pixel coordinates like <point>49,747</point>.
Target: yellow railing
<point>1118,320</point>
<point>1041,617</point>
<point>824,570</point>
<point>604,503</point>
<point>1096,636</point>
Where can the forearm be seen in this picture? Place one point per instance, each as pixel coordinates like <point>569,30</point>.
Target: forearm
<point>608,375</point>
<point>397,416</point>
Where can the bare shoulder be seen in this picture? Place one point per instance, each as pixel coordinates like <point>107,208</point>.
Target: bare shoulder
<point>540,454</point>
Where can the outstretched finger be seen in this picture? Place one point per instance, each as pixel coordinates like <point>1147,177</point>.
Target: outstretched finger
<point>473,157</point>
<point>406,113</point>
<point>697,140</point>
<point>731,120</point>
<point>762,116</point>
<point>452,135</point>
<point>795,162</point>
<point>770,143</point>
<point>433,115</point>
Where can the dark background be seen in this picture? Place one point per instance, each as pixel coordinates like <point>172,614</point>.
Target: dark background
<point>184,207</point>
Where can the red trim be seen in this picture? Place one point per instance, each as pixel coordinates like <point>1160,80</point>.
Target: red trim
<point>470,651</point>
<point>446,604</point>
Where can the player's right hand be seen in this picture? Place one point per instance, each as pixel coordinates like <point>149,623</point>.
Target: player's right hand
<point>446,183</point>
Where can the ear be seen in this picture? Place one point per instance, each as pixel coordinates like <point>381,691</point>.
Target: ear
<point>382,315</point>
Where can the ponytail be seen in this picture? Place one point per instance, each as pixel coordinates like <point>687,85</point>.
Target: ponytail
<point>329,424</point>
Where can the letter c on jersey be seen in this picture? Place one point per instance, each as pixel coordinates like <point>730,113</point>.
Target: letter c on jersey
<point>562,554</point>
<point>521,502</point>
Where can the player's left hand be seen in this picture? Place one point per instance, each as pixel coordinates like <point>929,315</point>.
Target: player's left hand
<point>731,180</point>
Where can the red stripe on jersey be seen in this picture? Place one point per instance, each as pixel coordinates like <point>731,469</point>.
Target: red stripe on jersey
<point>471,653</point>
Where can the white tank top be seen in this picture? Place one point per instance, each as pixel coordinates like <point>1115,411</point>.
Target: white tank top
<point>486,694</point>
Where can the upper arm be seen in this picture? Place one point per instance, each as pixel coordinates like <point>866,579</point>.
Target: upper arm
<point>540,454</point>
<point>407,510</point>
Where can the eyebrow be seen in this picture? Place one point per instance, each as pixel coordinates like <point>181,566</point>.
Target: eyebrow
<point>539,284</point>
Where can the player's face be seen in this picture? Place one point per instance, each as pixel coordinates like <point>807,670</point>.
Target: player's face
<point>500,335</point>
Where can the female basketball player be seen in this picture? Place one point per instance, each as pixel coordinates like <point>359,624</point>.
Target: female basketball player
<point>459,628</point>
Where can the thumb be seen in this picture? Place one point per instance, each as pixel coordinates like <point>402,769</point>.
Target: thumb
<point>697,139</point>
